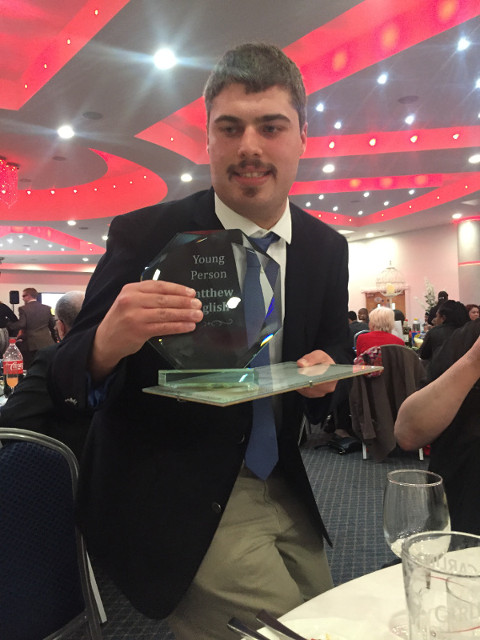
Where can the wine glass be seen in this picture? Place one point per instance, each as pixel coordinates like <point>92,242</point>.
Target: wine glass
<point>414,501</point>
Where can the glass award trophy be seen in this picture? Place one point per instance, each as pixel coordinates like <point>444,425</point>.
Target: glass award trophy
<point>210,364</point>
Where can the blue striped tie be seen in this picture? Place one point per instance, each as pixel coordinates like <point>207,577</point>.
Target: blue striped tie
<point>262,450</point>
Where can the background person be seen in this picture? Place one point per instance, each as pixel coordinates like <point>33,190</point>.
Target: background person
<point>354,325</point>
<point>31,406</point>
<point>432,313</point>
<point>450,316</point>
<point>381,326</point>
<point>36,325</point>
<point>446,414</point>
<point>166,498</point>
<point>473,311</point>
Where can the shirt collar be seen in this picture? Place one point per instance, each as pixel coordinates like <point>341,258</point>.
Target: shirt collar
<point>232,220</point>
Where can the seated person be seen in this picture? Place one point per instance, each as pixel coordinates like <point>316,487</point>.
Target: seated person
<point>473,311</point>
<point>381,326</point>
<point>31,406</point>
<point>450,316</point>
<point>446,413</point>
<point>354,325</point>
<point>363,315</point>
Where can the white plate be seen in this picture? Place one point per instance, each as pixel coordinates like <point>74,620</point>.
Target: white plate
<point>316,628</point>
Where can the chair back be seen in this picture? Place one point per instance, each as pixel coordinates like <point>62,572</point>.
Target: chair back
<point>375,401</point>
<point>45,590</point>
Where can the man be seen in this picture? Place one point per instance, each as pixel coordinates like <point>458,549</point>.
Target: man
<point>166,500</point>
<point>36,325</point>
<point>31,406</point>
<point>432,314</point>
<point>354,326</point>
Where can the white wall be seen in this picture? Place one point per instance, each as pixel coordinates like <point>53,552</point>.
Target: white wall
<point>41,281</point>
<point>430,253</point>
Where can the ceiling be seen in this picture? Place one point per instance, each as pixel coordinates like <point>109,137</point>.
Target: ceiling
<point>89,64</point>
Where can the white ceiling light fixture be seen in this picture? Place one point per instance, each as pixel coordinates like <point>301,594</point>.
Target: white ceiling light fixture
<point>71,223</point>
<point>463,44</point>
<point>360,213</point>
<point>186,177</point>
<point>411,192</point>
<point>308,204</point>
<point>320,107</point>
<point>338,124</point>
<point>321,196</point>
<point>65,132</point>
<point>410,119</point>
<point>335,208</point>
<point>475,159</point>
<point>456,216</point>
<point>328,168</point>
<point>386,203</point>
<point>477,84</point>
<point>382,78</point>
<point>164,59</point>
<point>370,235</point>
<point>366,194</point>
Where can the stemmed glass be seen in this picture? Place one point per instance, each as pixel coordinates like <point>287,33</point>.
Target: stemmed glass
<point>414,501</point>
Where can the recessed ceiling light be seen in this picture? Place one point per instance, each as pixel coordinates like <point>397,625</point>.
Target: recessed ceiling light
<point>366,194</point>
<point>477,84</point>
<point>410,119</point>
<point>85,259</point>
<point>320,107</point>
<point>50,246</point>
<point>92,115</point>
<point>186,177</point>
<point>321,196</point>
<point>382,78</point>
<point>370,235</point>
<point>408,99</point>
<point>20,236</point>
<point>386,203</point>
<point>463,44</point>
<point>164,59</point>
<point>104,238</point>
<point>338,124</point>
<point>71,223</point>
<point>335,208</point>
<point>9,240</point>
<point>308,204</point>
<point>345,232</point>
<point>66,132</point>
<point>411,192</point>
<point>475,159</point>
<point>456,216</point>
<point>328,168</point>
<point>360,213</point>
<point>62,248</point>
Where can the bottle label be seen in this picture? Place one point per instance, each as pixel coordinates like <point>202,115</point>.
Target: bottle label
<point>12,367</point>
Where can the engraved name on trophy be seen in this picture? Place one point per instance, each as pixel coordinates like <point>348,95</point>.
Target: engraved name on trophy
<point>214,263</point>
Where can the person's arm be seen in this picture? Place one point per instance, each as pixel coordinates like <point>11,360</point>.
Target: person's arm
<point>426,413</point>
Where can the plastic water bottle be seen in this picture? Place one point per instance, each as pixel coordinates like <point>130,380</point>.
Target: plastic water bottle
<point>12,364</point>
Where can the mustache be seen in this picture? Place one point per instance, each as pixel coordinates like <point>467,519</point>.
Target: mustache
<point>254,164</point>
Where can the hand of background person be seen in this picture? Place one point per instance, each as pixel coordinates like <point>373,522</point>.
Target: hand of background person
<point>321,389</point>
<point>140,311</point>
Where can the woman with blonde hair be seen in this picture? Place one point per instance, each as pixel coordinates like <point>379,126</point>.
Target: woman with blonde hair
<point>381,323</point>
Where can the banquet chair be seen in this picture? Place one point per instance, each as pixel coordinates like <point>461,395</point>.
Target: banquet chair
<point>376,398</point>
<point>45,587</point>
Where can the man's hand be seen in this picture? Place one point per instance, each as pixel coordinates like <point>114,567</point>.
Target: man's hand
<point>321,389</point>
<point>142,310</point>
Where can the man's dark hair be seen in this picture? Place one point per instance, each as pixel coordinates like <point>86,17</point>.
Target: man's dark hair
<point>454,313</point>
<point>442,295</point>
<point>257,67</point>
<point>352,315</point>
<point>399,315</point>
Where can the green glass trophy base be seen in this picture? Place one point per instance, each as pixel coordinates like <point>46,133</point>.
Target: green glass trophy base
<point>224,387</point>
<point>208,378</point>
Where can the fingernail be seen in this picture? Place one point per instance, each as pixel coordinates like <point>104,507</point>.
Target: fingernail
<point>196,303</point>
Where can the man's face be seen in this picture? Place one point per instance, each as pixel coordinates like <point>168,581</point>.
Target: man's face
<point>26,297</point>
<point>255,143</point>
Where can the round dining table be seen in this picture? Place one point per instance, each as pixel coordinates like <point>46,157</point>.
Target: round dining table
<point>362,609</point>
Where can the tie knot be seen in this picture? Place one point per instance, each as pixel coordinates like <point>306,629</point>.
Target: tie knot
<point>266,241</point>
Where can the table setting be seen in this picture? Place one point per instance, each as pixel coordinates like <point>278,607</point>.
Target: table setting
<point>432,594</point>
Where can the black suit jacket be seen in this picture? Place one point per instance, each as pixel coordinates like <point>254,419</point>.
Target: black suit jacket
<point>157,473</point>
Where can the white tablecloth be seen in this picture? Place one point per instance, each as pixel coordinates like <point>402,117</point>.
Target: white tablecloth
<point>361,609</point>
